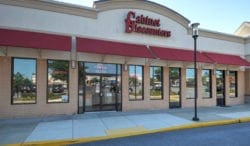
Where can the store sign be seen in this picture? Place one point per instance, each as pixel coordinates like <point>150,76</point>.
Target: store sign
<point>145,25</point>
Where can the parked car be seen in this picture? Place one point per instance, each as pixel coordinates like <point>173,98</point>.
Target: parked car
<point>28,89</point>
<point>57,88</point>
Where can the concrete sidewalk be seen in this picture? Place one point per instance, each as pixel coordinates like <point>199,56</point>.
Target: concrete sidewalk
<point>110,124</point>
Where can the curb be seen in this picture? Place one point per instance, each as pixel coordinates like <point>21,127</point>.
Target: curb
<point>244,120</point>
<point>134,133</point>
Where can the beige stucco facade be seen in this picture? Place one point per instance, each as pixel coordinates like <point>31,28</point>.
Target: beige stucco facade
<point>55,18</point>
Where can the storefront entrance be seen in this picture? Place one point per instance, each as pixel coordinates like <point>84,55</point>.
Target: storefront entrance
<point>100,87</point>
<point>220,87</point>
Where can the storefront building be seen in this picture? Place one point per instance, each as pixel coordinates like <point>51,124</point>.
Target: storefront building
<point>57,58</point>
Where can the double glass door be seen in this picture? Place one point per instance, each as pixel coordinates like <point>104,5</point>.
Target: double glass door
<point>99,87</point>
<point>102,93</point>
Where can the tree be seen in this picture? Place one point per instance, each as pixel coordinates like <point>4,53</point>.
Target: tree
<point>59,69</point>
<point>18,82</point>
<point>133,81</point>
<point>174,75</point>
<point>158,73</point>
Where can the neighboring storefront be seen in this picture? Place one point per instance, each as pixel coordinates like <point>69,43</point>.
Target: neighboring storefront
<point>57,58</point>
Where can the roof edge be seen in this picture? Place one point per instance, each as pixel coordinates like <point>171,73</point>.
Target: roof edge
<point>105,5</point>
<point>219,35</point>
<point>237,31</point>
<point>54,6</point>
<point>247,40</point>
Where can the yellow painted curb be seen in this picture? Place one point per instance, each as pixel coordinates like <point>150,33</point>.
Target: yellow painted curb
<point>197,125</point>
<point>137,129</point>
<point>130,132</point>
<point>244,120</point>
<point>220,122</point>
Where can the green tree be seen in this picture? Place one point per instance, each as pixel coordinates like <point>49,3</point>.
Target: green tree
<point>133,81</point>
<point>18,82</point>
<point>174,75</point>
<point>158,73</point>
<point>59,69</point>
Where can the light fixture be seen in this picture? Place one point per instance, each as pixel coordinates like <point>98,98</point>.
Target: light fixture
<point>195,29</point>
<point>73,64</point>
<point>125,67</point>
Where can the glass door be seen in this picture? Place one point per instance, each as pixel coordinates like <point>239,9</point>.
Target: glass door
<point>101,93</point>
<point>92,93</point>
<point>99,87</point>
<point>220,87</point>
<point>109,92</point>
<point>175,87</point>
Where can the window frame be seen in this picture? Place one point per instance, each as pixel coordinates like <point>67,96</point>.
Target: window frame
<point>180,86</point>
<point>12,71</point>
<point>47,92</point>
<point>135,87</point>
<point>162,86</point>
<point>194,83</point>
<point>210,84</point>
<point>236,84</point>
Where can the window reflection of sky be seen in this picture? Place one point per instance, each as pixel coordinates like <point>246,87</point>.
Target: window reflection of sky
<point>26,67</point>
<point>190,73</point>
<point>155,71</point>
<point>219,74</point>
<point>138,71</point>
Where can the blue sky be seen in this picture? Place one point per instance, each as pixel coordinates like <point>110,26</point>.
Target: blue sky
<point>216,15</point>
<point>25,66</point>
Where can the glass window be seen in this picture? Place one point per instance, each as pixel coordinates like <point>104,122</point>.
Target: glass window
<point>190,83</point>
<point>97,68</point>
<point>135,82</point>
<point>58,78</point>
<point>23,81</point>
<point>156,87</point>
<point>206,83</point>
<point>220,83</point>
<point>175,87</point>
<point>233,84</point>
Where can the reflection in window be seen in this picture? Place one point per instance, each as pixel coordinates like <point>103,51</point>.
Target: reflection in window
<point>190,83</point>
<point>175,87</point>
<point>101,68</point>
<point>233,83</point>
<point>220,83</point>
<point>23,80</point>
<point>58,73</point>
<point>156,83</point>
<point>135,82</point>
<point>206,83</point>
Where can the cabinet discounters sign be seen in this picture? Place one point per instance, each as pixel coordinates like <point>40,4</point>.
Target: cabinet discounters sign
<point>145,25</point>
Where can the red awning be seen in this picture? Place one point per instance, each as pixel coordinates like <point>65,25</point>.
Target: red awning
<point>179,55</point>
<point>227,59</point>
<point>112,48</point>
<point>17,38</point>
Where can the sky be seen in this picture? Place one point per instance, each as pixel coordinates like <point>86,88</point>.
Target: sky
<point>25,66</point>
<point>216,15</point>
